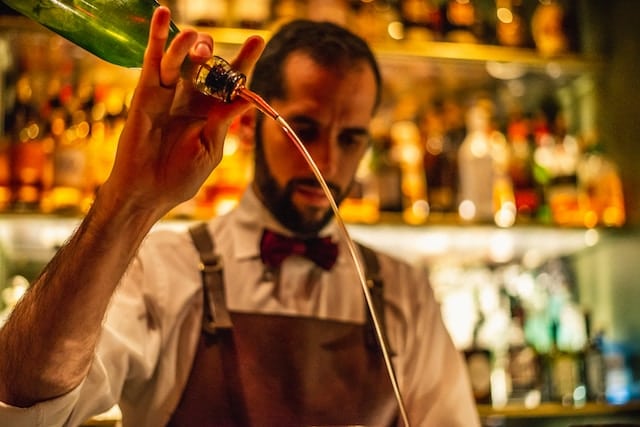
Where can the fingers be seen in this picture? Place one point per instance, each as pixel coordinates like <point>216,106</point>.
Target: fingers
<point>163,68</point>
<point>171,64</point>
<point>202,49</point>
<point>158,35</point>
<point>249,54</point>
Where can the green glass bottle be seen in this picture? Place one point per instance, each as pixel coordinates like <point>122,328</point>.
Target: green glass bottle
<point>117,31</point>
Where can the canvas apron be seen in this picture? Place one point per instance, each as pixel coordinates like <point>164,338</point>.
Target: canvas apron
<point>275,370</point>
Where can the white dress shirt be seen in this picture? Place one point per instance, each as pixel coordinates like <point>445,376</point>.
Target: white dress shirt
<point>151,329</point>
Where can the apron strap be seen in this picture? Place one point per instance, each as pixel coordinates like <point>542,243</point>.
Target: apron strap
<point>376,288</point>
<point>215,314</point>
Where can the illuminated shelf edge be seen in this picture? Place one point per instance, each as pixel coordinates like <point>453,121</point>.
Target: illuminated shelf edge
<point>40,235</point>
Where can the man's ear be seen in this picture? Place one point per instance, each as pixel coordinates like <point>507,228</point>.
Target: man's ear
<point>247,128</point>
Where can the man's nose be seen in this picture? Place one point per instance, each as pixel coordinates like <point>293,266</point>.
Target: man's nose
<point>325,155</point>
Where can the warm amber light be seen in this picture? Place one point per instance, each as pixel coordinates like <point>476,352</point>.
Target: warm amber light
<point>504,15</point>
<point>467,210</point>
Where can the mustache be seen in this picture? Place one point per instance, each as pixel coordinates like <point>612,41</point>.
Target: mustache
<point>312,182</point>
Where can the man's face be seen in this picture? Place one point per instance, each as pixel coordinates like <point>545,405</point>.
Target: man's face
<point>329,110</point>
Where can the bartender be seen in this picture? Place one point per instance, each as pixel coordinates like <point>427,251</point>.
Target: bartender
<point>256,317</point>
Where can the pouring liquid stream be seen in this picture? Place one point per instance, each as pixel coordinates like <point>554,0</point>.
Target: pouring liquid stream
<point>265,108</point>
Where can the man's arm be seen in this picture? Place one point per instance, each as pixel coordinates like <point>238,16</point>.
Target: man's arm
<point>49,339</point>
<point>171,142</point>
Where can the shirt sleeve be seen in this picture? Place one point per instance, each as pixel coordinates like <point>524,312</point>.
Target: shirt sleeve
<point>54,412</point>
<point>431,373</point>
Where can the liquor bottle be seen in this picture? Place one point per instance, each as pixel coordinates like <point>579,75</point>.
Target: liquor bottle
<point>476,167</point>
<point>461,22</point>
<point>114,31</point>
<point>223,188</point>
<point>594,364</point>
<point>421,19</point>
<point>387,173</point>
<point>523,362</point>
<point>543,162</point>
<point>28,151</point>
<point>407,152</point>
<point>205,13</point>
<point>336,11</point>
<point>511,24</point>
<point>479,367</point>
<point>70,164</point>
<point>566,371</point>
<point>283,11</point>
<point>362,205</point>
<point>252,14</point>
<point>600,187</point>
<point>549,28</point>
<point>485,188</point>
<point>440,160</point>
<point>377,20</point>
<point>5,176</point>
<point>563,195</point>
<point>526,193</point>
<point>118,32</point>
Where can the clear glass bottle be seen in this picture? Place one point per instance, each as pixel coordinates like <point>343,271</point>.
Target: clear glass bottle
<point>118,31</point>
<point>485,192</point>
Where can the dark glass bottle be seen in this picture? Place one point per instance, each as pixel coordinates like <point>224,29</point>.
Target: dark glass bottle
<point>421,19</point>
<point>479,361</point>
<point>462,22</point>
<point>387,173</point>
<point>521,146</point>
<point>511,24</point>
<point>28,150</point>
<point>594,364</point>
<point>440,160</point>
<point>524,365</point>
<point>566,370</point>
<point>118,31</point>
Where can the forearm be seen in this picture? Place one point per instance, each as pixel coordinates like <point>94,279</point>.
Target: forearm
<point>48,342</point>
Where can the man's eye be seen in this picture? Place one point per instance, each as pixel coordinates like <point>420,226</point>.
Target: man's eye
<point>306,134</point>
<point>353,139</point>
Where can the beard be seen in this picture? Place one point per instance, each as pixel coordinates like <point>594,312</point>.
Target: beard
<point>279,200</point>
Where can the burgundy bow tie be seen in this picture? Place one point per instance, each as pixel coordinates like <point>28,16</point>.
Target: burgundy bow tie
<point>274,248</point>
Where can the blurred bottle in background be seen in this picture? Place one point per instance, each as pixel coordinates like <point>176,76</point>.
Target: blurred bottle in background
<point>600,187</point>
<point>486,193</point>
<point>554,27</point>
<point>421,19</point>
<point>205,13</point>
<point>520,141</point>
<point>440,159</point>
<point>462,22</point>
<point>512,26</point>
<point>251,14</point>
<point>28,151</point>
<point>524,368</point>
<point>594,363</point>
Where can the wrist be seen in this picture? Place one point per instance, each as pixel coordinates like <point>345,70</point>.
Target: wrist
<point>124,212</point>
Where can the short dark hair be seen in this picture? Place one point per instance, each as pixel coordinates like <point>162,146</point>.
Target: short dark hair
<point>328,44</point>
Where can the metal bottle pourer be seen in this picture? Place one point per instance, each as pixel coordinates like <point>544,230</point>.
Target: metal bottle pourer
<point>216,78</point>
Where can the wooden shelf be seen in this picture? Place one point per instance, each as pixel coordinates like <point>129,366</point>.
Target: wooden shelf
<point>556,410</point>
<point>529,59</point>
